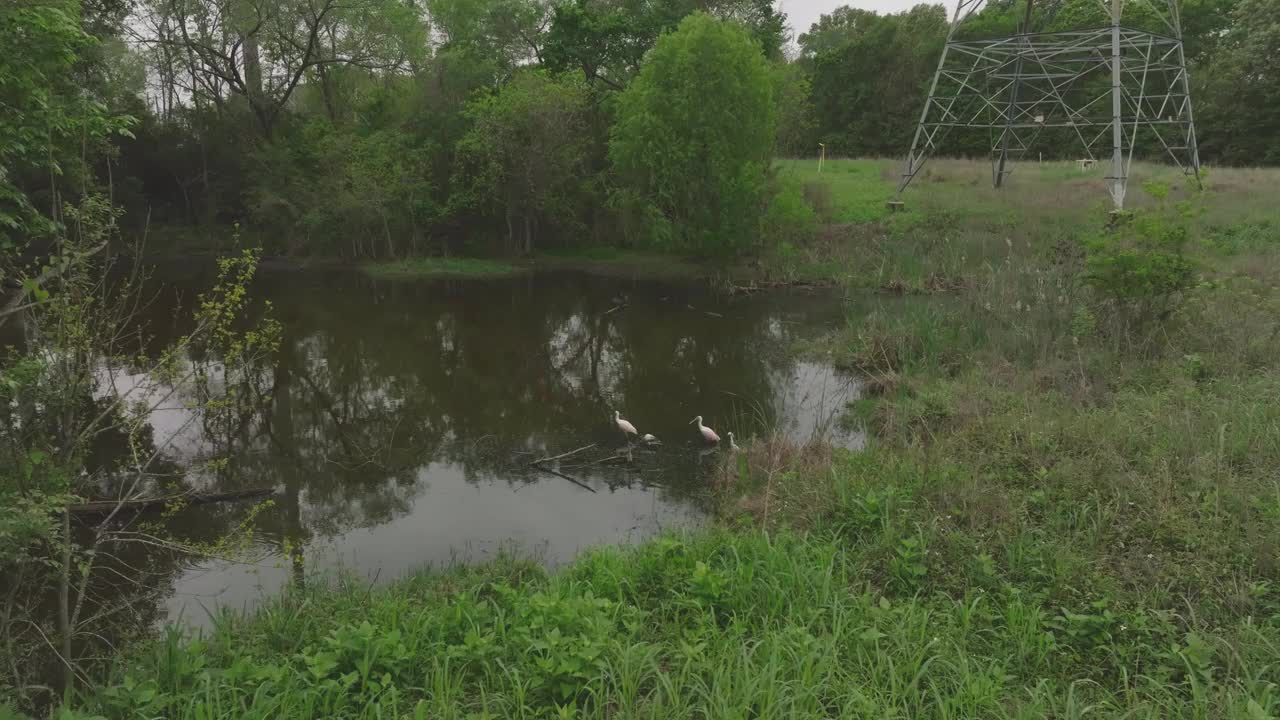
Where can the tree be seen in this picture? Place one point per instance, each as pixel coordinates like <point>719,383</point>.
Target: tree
<point>261,50</point>
<point>834,30</point>
<point>1236,114</point>
<point>526,152</point>
<point>871,77</point>
<point>793,96</point>
<point>694,138</point>
<point>607,39</point>
<point>507,31</point>
<point>46,119</point>
<point>76,405</point>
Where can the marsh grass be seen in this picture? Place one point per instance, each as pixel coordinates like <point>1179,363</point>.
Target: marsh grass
<point>776,481</point>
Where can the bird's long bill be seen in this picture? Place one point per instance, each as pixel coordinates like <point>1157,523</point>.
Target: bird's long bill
<point>693,421</point>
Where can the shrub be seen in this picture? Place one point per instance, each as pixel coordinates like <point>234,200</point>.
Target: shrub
<point>1141,265</point>
<point>788,220</point>
<point>693,139</point>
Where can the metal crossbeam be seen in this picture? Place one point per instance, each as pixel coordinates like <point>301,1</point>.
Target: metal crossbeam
<point>1018,86</point>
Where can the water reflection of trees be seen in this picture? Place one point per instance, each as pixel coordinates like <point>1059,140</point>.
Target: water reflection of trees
<point>373,381</point>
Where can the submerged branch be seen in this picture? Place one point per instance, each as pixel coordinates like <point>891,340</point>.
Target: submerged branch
<point>102,507</point>
<point>579,483</point>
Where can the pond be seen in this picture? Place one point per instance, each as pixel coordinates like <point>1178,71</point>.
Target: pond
<point>402,418</point>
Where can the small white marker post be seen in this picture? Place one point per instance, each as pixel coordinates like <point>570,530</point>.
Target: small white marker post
<point>822,156</point>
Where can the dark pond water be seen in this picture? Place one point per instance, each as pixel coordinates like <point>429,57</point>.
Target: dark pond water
<point>403,416</point>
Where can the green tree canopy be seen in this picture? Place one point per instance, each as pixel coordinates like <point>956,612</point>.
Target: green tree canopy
<point>1237,121</point>
<point>870,76</point>
<point>607,39</point>
<point>694,137</point>
<point>526,153</point>
<point>42,111</point>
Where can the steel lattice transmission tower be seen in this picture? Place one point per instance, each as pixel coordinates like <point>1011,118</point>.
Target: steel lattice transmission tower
<point>1098,86</point>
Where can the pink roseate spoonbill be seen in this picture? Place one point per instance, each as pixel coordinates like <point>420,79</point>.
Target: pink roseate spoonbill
<point>733,446</point>
<point>623,425</point>
<point>650,439</point>
<point>707,433</point>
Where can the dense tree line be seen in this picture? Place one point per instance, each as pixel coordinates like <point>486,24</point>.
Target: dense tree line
<point>374,128</point>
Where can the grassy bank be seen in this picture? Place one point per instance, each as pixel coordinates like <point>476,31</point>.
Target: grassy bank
<point>1069,508</point>
<point>440,267</point>
<point>611,261</point>
<point>716,625</point>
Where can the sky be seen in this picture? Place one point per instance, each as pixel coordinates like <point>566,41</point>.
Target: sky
<point>803,13</point>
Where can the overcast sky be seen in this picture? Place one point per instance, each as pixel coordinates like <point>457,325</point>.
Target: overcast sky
<point>803,13</point>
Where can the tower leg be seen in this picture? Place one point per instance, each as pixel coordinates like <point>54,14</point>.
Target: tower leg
<point>920,151</point>
<point>1003,157</point>
<point>1119,172</point>
<point>1189,141</point>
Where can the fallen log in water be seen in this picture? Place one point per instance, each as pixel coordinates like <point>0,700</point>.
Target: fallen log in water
<point>103,507</point>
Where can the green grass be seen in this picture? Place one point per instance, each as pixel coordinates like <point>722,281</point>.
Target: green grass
<point>440,267</point>
<point>715,625</point>
<point>955,225</point>
<point>845,191</point>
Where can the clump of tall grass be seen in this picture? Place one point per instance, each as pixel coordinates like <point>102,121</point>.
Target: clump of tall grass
<point>775,481</point>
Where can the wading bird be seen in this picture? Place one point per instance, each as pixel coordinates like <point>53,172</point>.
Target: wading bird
<point>707,433</point>
<point>627,428</point>
<point>650,439</point>
<point>733,446</point>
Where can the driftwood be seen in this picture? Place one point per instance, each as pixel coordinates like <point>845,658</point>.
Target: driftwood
<point>762,286</point>
<point>624,456</point>
<point>103,507</point>
<point>539,461</point>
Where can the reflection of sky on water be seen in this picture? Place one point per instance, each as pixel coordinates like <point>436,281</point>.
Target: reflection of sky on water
<point>550,520</point>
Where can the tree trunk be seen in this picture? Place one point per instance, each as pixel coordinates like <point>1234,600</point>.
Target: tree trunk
<point>64,605</point>
<point>253,84</point>
<point>282,427</point>
<point>386,230</point>
<point>326,93</point>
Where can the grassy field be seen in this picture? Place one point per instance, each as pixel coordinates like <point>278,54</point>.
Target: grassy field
<point>955,224</point>
<point>1070,506</point>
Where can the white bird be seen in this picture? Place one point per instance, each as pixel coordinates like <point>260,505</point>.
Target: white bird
<point>650,439</point>
<point>707,433</point>
<point>733,446</point>
<point>627,428</point>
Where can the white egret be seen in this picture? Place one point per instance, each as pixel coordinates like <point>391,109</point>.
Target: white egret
<point>733,446</point>
<point>623,425</point>
<point>707,433</point>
